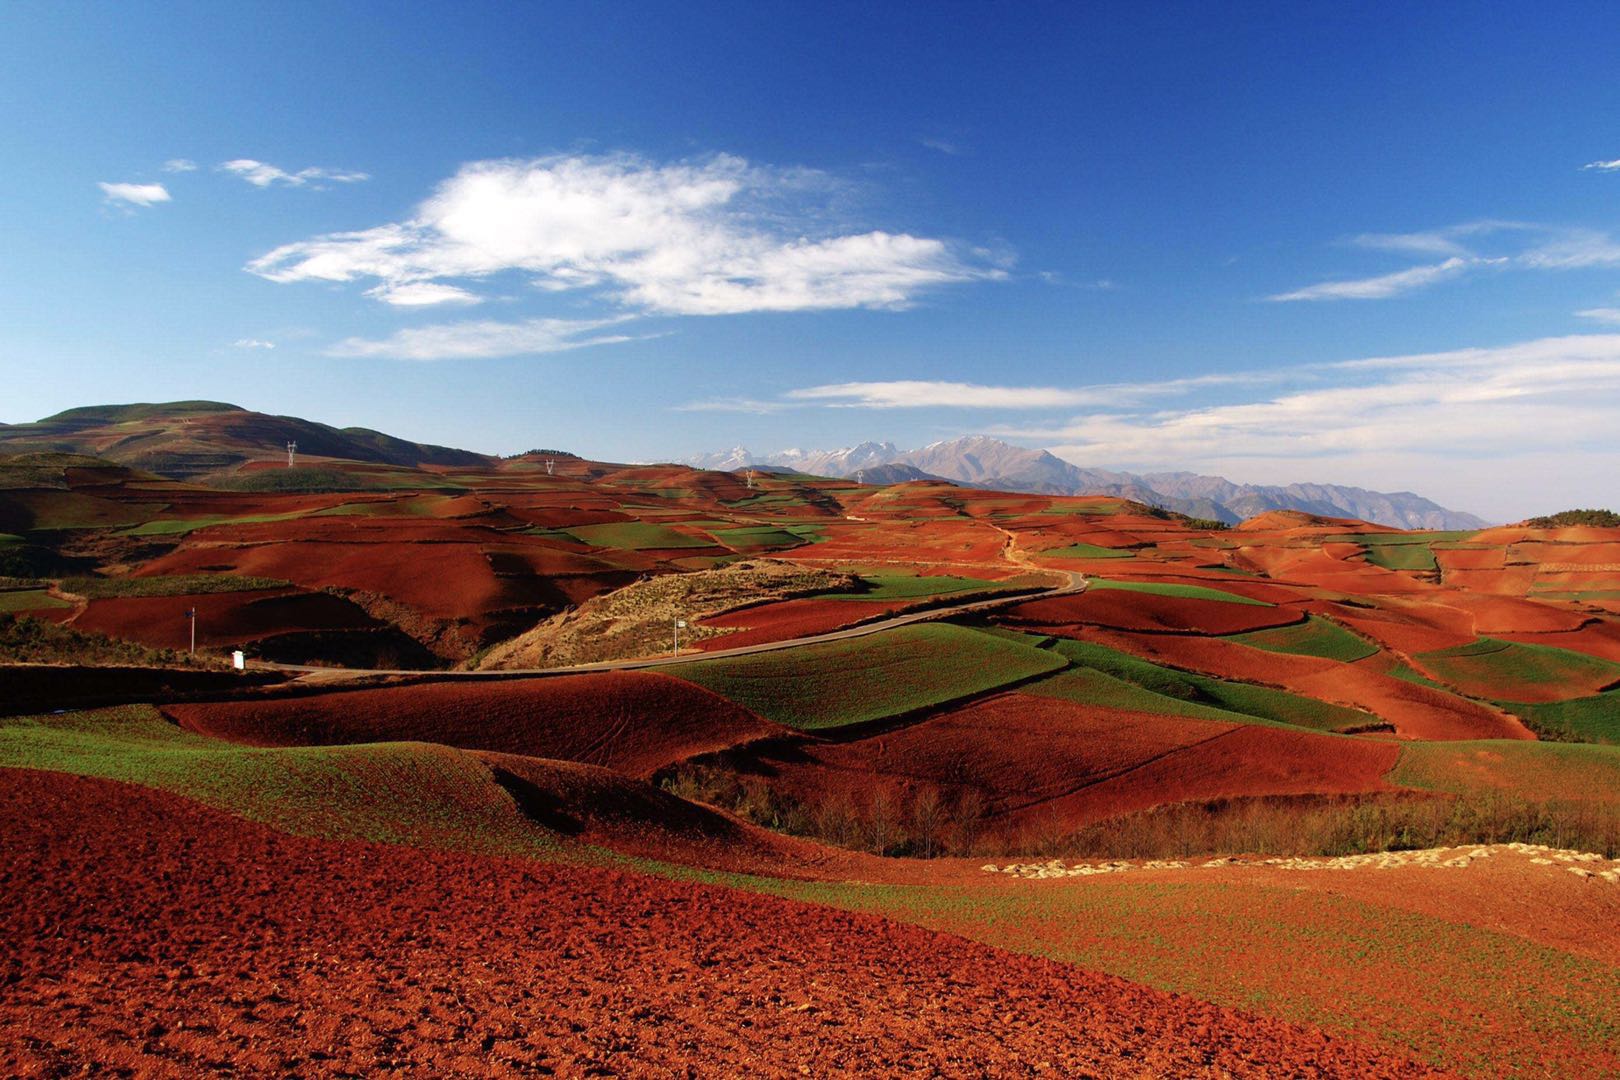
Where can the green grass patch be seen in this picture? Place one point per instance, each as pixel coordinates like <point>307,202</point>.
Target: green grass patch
<point>754,537</point>
<point>866,678</point>
<point>1316,636</point>
<point>1594,719</point>
<point>106,588</point>
<point>1251,703</point>
<point>182,526</point>
<point>1088,686</point>
<point>1402,557</point>
<point>889,586</point>
<point>413,793</point>
<point>1088,551</point>
<point>636,536</point>
<point>1170,588</point>
<point>30,600</point>
<point>1542,772</point>
<point>10,538</point>
<point>1379,539</point>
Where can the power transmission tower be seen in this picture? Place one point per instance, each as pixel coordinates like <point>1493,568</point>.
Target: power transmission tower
<point>292,448</point>
<point>550,464</point>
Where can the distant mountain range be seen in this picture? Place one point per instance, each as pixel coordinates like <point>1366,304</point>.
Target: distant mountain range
<point>199,440</point>
<point>980,461</point>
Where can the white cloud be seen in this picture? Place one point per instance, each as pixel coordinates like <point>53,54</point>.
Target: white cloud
<point>709,237</point>
<point>1434,422</point>
<point>422,294</point>
<point>1386,285</point>
<point>263,175</point>
<point>134,194</point>
<point>1603,166</point>
<point>482,340</point>
<point>179,165</point>
<point>252,343</point>
<point>1610,315</point>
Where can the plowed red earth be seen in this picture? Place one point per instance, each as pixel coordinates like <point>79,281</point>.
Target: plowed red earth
<point>793,619</point>
<point>1032,757</point>
<point>1130,610</point>
<point>633,722</point>
<point>143,934</point>
<point>222,618</point>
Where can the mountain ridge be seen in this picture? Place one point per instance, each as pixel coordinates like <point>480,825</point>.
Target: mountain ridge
<point>983,461</point>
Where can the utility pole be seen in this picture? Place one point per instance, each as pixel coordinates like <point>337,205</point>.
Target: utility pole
<point>192,615</point>
<point>680,624</point>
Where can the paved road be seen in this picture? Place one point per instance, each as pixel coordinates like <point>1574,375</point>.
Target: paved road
<point>1073,583</point>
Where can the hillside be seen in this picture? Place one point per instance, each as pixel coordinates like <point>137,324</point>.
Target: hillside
<point>194,439</point>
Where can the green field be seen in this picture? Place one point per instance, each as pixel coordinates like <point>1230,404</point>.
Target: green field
<point>753,537</point>
<point>1170,588</point>
<point>182,526</point>
<point>29,600</point>
<point>1539,772</point>
<point>1402,557</point>
<point>890,586</point>
<point>1316,636</point>
<point>637,536</point>
<point>391,792</point>
<point>102,588</point>
<point>1503,670</point>
<point>1087,551</point>
<point>866,678</point>
<point>1594,719</point>
<point>1168,686</point>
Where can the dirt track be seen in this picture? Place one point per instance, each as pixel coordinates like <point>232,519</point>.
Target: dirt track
<point>144,935</point>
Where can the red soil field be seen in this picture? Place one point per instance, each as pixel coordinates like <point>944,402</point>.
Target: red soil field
<point>1247,760</point>
<point>634,722</point>
<point>1065,765</point>
<point>222,618</point>
<point>793,618</point>
<point>180,938</point>
<point>1600,639</point>
<point>441,580</point>
<point>1484,559</point>
<point>1130,610</point>
<point>1404,625</point>
<point>1502,614</point>
<point>1416,712</point>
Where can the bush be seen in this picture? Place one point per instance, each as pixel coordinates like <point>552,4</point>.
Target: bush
<point>1603,519</point>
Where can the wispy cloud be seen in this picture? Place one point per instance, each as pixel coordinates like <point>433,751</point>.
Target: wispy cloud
<point>263,175</point>
<point>483,340</point>
<point>1469,248</point>
<point>179,165</point>
<point>734,405</point>
<point>1609,315</point>
<point>944,146</point>
<point>1603,166</point>
<point>1463,411</point>
<point>936,394</point>
<point>1383,286</point>
<point>707,237</point>
<point>422,294</point>
<point>129,195</point>
<point>252,343</point>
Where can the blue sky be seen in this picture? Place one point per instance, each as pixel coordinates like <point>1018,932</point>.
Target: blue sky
<point>1286,242</point>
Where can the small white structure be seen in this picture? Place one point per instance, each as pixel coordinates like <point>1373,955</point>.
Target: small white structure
<point>238,661</point>
<point>680,624</point>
